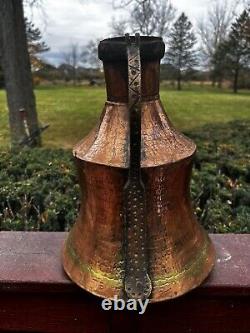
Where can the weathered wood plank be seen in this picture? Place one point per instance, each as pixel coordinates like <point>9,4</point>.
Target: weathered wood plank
<point>36,295</point>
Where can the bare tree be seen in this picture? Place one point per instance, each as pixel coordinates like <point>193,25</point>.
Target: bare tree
<point>17,73</point>
<point>119,27</point>
<point>213,29</point>
<point>143,18</point>
<point>72,58</point>
<point>34,3</point>
<point>165,13</point>
<point>118,4</point>
<point>89,55</point>
<point>146,16</point>
<point>246,3</point>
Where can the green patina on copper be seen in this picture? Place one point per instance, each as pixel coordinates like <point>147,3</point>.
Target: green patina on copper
<point>110,279</point>
<point>192,269</point>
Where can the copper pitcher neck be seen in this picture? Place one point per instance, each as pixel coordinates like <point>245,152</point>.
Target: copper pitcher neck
<point>116,78</point>
<point>113,54</point>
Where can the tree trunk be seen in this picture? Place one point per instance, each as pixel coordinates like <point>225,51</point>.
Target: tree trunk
<point>17,72</point>
<point>236,77</point>
<point>220,83</point>
<point>179,81</point>
<point>74,76</point>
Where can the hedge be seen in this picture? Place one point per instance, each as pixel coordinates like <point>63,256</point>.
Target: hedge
<point>39,190</point>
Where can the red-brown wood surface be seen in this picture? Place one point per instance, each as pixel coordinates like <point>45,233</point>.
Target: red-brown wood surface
<point>36,296</point>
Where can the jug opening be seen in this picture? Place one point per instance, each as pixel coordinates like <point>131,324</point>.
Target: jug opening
<point>115,49</point>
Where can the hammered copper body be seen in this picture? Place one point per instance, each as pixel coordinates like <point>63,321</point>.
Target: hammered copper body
<point>181,254</point>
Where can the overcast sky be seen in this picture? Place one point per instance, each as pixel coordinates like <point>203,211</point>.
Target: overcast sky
<point>77,21</point>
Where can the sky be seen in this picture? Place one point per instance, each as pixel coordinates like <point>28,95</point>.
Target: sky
<point>65,22</point>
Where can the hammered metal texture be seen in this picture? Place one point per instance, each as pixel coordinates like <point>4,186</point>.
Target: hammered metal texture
<point>108,142</point>
<point>180,253</point>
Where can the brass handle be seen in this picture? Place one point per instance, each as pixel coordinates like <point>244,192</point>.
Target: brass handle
<point>137,283</point>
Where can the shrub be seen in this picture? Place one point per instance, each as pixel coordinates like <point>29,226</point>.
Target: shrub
<point>220,184</point>
<point>39,190</point>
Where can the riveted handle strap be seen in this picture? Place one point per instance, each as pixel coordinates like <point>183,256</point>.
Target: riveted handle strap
<point>137,283</point>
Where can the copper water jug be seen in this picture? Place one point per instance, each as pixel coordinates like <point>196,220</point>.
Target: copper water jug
<point>136,235</point>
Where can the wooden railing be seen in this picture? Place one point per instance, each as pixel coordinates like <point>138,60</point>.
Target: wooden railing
<point>36,296</point>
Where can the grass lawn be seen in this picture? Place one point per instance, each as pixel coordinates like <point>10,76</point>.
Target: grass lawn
<point>73,111</point>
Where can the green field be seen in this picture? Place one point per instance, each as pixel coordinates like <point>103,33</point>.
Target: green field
<point>72,112</point>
